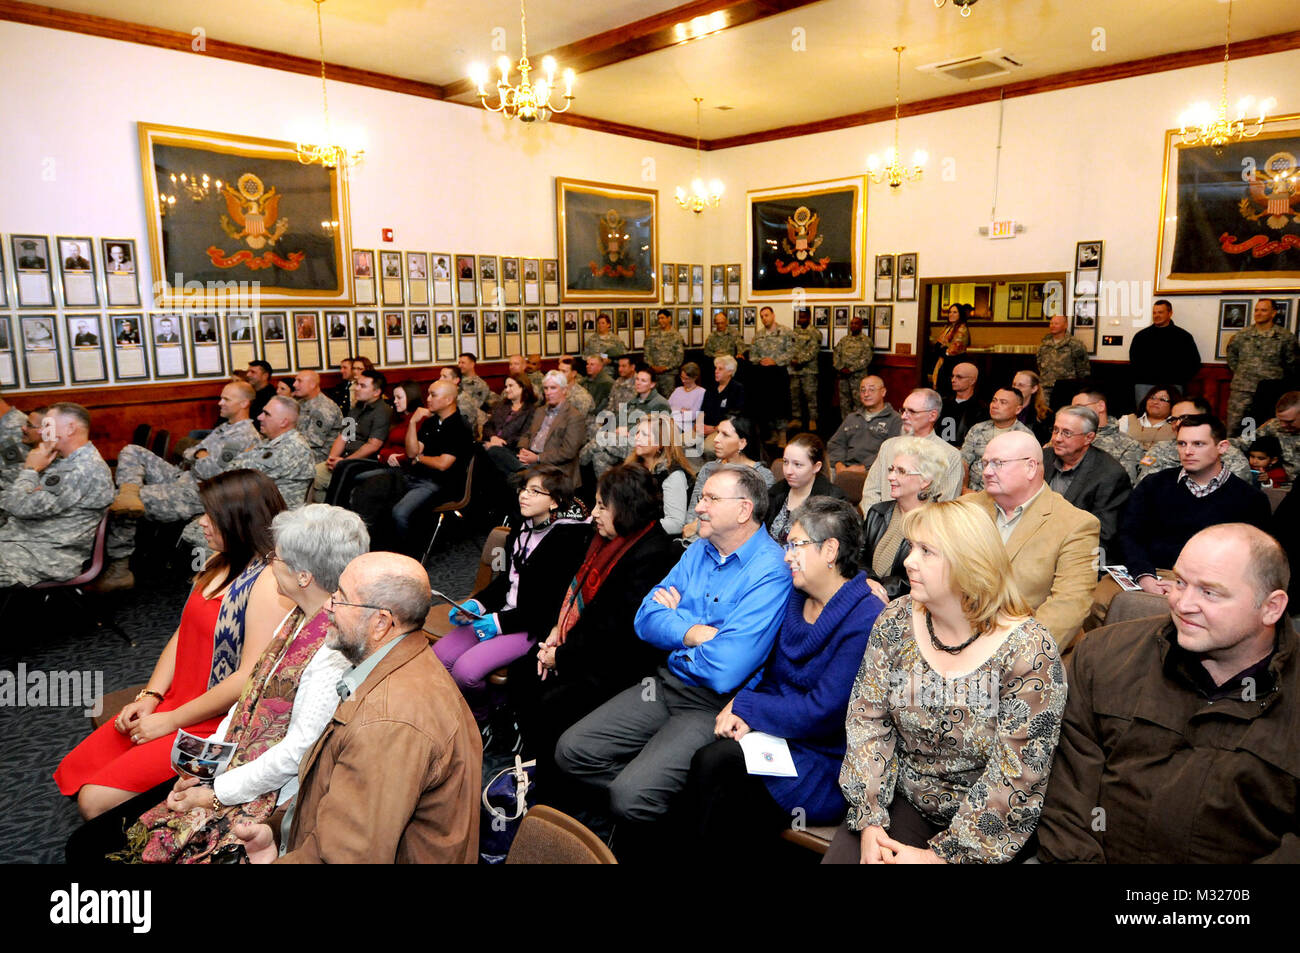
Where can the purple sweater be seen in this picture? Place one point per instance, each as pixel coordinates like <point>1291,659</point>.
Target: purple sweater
<point>803,695</point>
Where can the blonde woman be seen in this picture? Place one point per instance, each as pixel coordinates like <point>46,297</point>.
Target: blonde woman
<point>657,446</point>
<point>956,711</point>
<point>1034,414</point>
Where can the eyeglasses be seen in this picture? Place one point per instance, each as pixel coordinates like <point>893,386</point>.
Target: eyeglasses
<point>791,545</point>
<point>1177,418</point>
<point>1067,434</point>
<point>1163,400</point>
<point>899,471</point>
<point>996,465</point>
<point>532,491</point>
<point>334,600</point>
<point>708,499</point>
<point>908,412</point>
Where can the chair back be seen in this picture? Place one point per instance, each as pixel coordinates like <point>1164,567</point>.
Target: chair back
<point>851,482</point>
<point>161,443</point>
<point>452,505</point>
<point>92,571</point>
<point>548,837</point>
<point>140,437</point>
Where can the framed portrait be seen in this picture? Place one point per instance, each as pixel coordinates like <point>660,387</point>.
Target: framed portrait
<point>130,360</point>
<point>421,338</point>
<point>241,218</point>
<point>368,335</point>
<point>668,283</point>
<point>466,281</point>
<point>532,282</point>
<point>491,336</point>
<point>41,364</point>
<point>88,360</point>
<point>417,277</point>
<point>733,284</point>
<point>1227,216</point>
<point>1234,313</point>
<point>241,338</point>
<point>1016,301</point>
<point>444,336</point>
<point>8,368</point>
<point>906,278</point>
<point>1084,323</point>
<point>468,332</point>
<point>510,281</point>
<point>884,278</point>
<point>390,277</point>
<point>394,328</point>
<point>550,281</point>
<point>121,277</point>
<point>489,281</point>
<point>840,316</point>
<point>532,332</point>
<point>608,240</point>
<point>1282,313</point>
<point>697,284</point>
<point>683,284</point>
<point>442,279</point>
<point>717,285</point>
<point>77,268</point>
<point>32,280</point>
<point>638,328</point>
<point>207,358</point>
<point>809,237</point>
<point>749,317</point>
<point>698,334</point>
<point>363,275</point>
<point>733,318</point>
<point>882,327</point>
<point>553,343</point>
<point>338,336</point>
<point>275,339</point>
<point>512,332</point>
<point>307,351</point>
<point>166,331</point>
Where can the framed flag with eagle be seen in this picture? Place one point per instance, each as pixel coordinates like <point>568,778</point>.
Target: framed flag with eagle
<point>240,221</point>
<point>808,237</point>
<point>1230,218</point>
<point>608,238</point>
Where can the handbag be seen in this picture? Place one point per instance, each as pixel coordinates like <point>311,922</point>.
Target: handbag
<point>505,801</point>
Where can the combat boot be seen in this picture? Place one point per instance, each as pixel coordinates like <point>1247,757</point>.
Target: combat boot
<point>116,577</point>
<point>127,502</point>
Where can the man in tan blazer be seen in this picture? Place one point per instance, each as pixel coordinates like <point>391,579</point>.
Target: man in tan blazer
<point>1052,545</point>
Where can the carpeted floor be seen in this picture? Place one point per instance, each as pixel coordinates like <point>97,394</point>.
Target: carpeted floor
<point>60,636</point>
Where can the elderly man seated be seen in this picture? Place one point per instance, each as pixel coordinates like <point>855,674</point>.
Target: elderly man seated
<point>920,413</point>
<point>395,777</point>
<point>860,436</point>
<point>1179,734</point>
<point>554,436</point>
<point>716,614</point>
<point>1052,546</point>
<point>49,513</point>
<point>1087,476</point>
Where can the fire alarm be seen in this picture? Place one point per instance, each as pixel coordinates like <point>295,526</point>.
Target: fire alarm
<point>387,234</point>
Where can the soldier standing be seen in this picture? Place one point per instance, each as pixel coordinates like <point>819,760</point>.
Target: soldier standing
<point>664,352</point>
<point>721,341</point>
<point>768,354</point>
<point>805,347</point>
<point>604,341</point>
<point>1261,352</point>
<point>1061,357</point>
<point>55,503</point>
<point>319,418</point>
<point>851,357</point>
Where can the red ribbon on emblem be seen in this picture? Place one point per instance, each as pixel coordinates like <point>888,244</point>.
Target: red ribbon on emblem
<point>267,259</point>
<point>1258,245</point>
<point>796,268</point>
<point>612,271</point>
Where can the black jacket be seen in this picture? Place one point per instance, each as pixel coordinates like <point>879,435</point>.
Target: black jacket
<point>779,492</point>
<point>543,580</point>
<point>873,528</point>
<point>1100,487</point>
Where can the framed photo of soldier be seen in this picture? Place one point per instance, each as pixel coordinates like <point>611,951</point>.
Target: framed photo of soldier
<point>32,280</point>
<point>121,277</point>
<point>80,288</point>
<point>697,284</point>
<point>40,339</point>
<point>363,275</point>
<point>275,340</point>
<point>1234,315</point>
<point>1282,312</point>
<point>884,278</point>
<point>532,281</point>
<point>882,326</point>
<point>204,335</point>
<point>442,279</point>
<point>8,368</point>
<point>444,336</point>
<point>421,338</point>
<point>368,335</point>
<point>1085,322</point>
<point>488,281</point>
<point>906,290</point>
<point>718,289</point>
<point>683,284</point>
<point>550,281</point>
<point>532,332</point>
<point>551,334</point>
<point>466,281</point>
<point>88,361</point>
<point>130,362</point>
<point>491,336</point>
<point>394,328</point>
<point>510,281</point>
<point>512,332</point>
<point>390,263</point>
<point>166,333</point>
<point>306,341</point>
<point>733,284</point>
<point>417,277</point>
<point>338,337</point>
<point>668,283</point>
<point>241,338</point>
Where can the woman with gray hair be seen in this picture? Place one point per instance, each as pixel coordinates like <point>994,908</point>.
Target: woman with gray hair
<point>285,705</point>
<point>918,465</point>
<point>724,400</point>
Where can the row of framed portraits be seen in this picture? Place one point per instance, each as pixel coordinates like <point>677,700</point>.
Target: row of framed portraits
<point>1087,290</point>
<point>832,320</point>
<point>71,266</point>
<point>438,278</point>
<point>896,277</point>
<point>684,283</point>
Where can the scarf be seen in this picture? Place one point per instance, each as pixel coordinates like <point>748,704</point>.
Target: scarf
<point>602,556</point>
<point>260,721</point>
<point>228,636</point>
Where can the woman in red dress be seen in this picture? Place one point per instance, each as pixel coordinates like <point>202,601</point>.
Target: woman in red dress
<point>227,621</point>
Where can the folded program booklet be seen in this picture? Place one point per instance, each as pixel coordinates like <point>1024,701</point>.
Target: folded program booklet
<point>767,755</point>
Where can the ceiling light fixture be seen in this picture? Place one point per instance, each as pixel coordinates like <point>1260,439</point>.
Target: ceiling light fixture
<point>329,153</point>
<point>963,5</point>
<point>891,168</point>
<point>529,101</point>
<point>701,196</point>
<point>1202,126</point>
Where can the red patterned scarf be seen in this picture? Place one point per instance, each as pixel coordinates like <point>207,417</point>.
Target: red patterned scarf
<point>602,556</point>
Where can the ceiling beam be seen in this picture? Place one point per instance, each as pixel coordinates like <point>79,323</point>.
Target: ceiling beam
<point>654,33</point>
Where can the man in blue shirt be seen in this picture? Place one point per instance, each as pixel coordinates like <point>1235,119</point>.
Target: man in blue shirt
<point>716,614</point>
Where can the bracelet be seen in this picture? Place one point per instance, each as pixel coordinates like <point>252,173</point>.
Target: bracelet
<point>148,691</point>
<point>216,803</point>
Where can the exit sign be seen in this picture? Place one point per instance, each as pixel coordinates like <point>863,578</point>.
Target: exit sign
<point>1005,228</point>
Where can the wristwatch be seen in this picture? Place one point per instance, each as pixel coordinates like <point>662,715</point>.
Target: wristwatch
<point>148,691</point>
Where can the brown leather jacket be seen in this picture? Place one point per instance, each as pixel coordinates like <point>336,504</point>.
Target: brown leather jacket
<point>395,776</point>
<point>1178,778</point>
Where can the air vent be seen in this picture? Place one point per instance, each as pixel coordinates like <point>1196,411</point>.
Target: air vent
<point>979,66</point>
<point>724,109</point>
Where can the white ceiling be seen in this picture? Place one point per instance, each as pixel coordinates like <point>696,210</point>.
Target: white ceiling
<point>847,66</point>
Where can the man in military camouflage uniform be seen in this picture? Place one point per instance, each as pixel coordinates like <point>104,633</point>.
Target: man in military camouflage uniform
<point>1123,449</point>
<point>12,453</point>
<point>1163,455</point>
<point>319,418</point>
<point>805,348</point>
<point>534,368</point>
<point>576,395</point>
<point>598,381</point>
<point>664,352</point>
<point>721,341</point>
<point>616,427</point>
<point>851,357</point>
<point>53,507</point>
<point>769,386</point>
<point>1285,426</point>
<point>517,364</point>
<point>1004,409</point>
<point>854,446</point>
<point>1061,357</point>
<point>472,384</point>
<point>604,341</point>
<point>1261,352</point>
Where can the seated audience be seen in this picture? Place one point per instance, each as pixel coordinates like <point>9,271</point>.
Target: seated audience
<point>598,381</point>
<point>555,435</point>
<point>1265,457</point>
<point>920,413</point>
<point>364,485</point>
<point>51,510</point>
<point>229,618</point>
<point>716,614</point>
<point>289,698</point>
<point>657,446</point>
<point>519,606</point>
<point>1034,412</point>
<point>802,465</point>
<point>364,430</point>
<point>1164,454</point>
<point>801,697</point>
<point>320,420</point>
<point>1088,477</point>
<point>471,383</point>
<point>284,387</point>
<point>1151,422</point>
<point>258,377</point>
<point>512,413</point>
<point>396,775</point>
<point>469,409</point>
<point>951,732</point>
<point>1002,418</point>
<point>963,408</point>
<point>917,465</point>
<point>1123,450</point>
<point>1180,731</point>
<point>616,432</point>
<point>857,441</point>
<point>724,400</point>
<point>439,446</point>
<point>1284,427</point>
<point>734,440</point>
<point>1052,545</point>
<point>591,651</point>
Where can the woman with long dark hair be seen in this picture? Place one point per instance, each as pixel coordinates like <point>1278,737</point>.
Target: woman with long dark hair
<point>952,342</point>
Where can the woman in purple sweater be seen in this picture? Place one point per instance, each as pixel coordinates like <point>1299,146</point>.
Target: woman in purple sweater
<point>801,696</point>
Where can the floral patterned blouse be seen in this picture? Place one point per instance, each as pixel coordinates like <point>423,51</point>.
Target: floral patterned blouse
<point>971,752</point>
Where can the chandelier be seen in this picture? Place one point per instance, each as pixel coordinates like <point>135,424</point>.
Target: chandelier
<point>197,187</point>
<point>529,101</point>
<point>329,154</point>
<point>1202,126</point>
<point>891,169</point>
<point>701,196</point>
<point>963,5</point>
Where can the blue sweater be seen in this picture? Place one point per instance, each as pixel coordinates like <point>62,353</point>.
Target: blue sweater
<point>804,695</point>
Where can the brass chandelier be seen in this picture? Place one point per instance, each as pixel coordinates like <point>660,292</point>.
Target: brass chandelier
<point>891,168</point>
<point>530,101</point>
<point>701,196</point>
<point>1202,126</point>
<point>329,153</point>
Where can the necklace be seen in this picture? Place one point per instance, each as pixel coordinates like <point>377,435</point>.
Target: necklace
<point>934,640</point>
